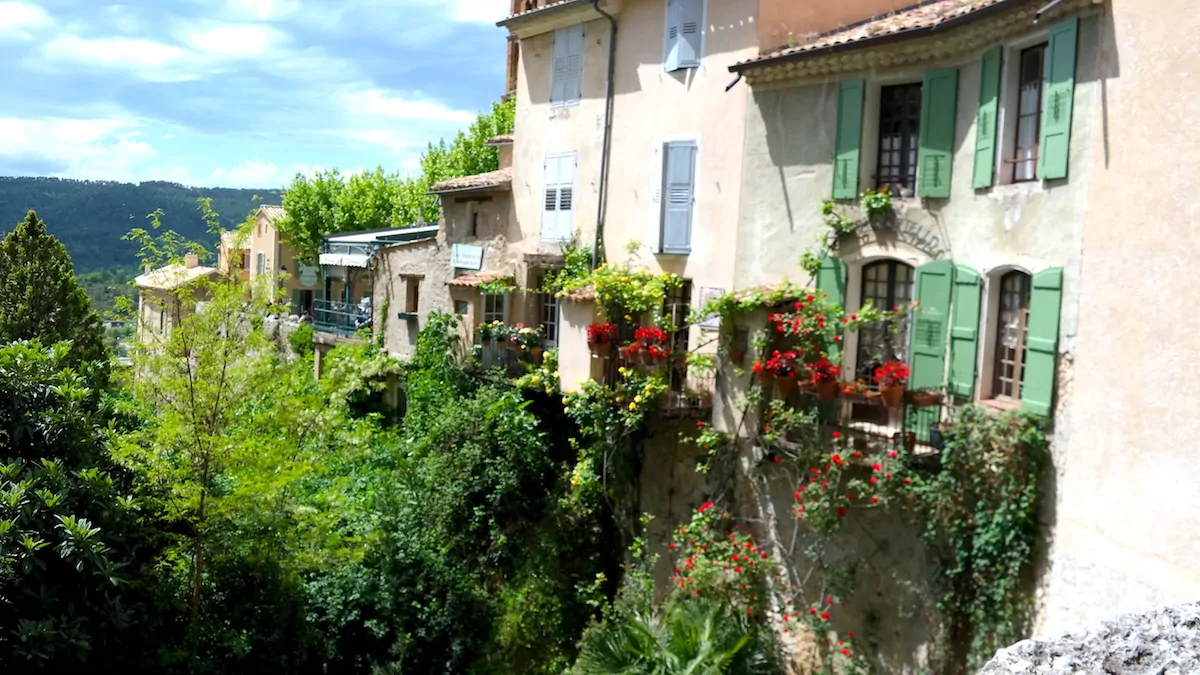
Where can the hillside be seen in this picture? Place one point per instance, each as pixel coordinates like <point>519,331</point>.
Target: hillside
<point>90,217</point>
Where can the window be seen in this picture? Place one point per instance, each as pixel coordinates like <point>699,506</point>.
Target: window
<point>899,134</point>
<point>547,307</point>
<point>243,258</point>
<point>474,221</point>
<point>886,284</point>
<point>676,306</point>
<point>494,307</point>
<point>1011,331</point>
<point>681,46</point>
<point>566,79</point>
<point>558,207</point>
<point>260,263</point>
<point>461,307</point>
<point>412,294</point>
<point>678,191</point>
<point>1029,113</point>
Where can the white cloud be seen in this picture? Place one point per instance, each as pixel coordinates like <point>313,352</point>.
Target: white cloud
<point>117,52</point>
<point>234,40</point>
<point>375,102</point>
<point>16,18</point>
<point>263,10</point>
<point>251,173</point>
<point>102,148</point>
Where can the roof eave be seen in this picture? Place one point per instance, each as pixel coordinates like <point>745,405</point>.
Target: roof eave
<point>493,187</point>
<point>517,19</point>
<point>867,43</point>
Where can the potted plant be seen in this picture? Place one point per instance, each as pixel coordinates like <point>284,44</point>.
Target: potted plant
<point>783,367</point>
<point>824,378</point>
<point>600,338</point>
<point>526,338</point>
<point>484,332</point>
<point>856,391</point>
<point>891,378</point>
<point>764,373</point>
<point>648,346</point>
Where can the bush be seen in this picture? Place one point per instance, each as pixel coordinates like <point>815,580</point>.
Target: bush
<point>301,340</point>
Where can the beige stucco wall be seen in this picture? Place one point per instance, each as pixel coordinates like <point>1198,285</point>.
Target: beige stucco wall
<point>392,266</point>
<point>784,23</point>
<point>1127,534</point>
<point>265,239</point>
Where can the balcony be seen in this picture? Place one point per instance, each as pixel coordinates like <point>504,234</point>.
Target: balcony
<point>343,318</point>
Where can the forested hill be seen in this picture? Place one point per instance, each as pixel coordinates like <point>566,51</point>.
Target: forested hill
<point>90,217</point>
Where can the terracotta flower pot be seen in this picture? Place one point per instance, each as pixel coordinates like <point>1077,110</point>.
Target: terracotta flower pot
<point>601,349</point>
<point>487,344</point>
<point>633,356</point>
<point>787,384</point>
<point>765,377</point>
<point>892,396</point>
<point>827,391</point>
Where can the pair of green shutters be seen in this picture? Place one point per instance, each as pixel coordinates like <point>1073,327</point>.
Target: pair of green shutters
<point>944,334</point>
<point>939,105</point>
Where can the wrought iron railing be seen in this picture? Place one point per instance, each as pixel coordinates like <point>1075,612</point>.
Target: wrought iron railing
<point>336,316</point>
<point>344,248</point>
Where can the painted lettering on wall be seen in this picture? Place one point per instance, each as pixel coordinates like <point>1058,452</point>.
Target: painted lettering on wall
<point>921,237</point>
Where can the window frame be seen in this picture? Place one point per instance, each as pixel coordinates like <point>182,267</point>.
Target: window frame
<point>558,196</point>
<point>996,388</point>
<point>677,304</point>
<point>1006,128</point>
<point>1017,161</point>
<point>893,300</point>
<point>907,153</point>
<point>412,293</point>
<point>260,263</point>
<point>489,315</point>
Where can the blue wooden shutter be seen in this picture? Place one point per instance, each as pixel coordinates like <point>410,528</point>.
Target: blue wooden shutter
<point>964,331</point>
<point>848,139</point>
<point>550,198</point>
<point>1057,100</point>
<point>938,111</point>
<point>679,191</point>
<point>985,117</point>
<point>691,16</point>
<point>567,76</point>
<point>671,36</point>
<point>1041,342</point>
<point>934,284</point>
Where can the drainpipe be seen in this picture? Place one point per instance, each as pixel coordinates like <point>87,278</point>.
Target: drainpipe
<point>608,106</point>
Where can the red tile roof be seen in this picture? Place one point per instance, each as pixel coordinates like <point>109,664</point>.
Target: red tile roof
<point>479,278</point>
<point>533,8</point>
<point>501,178</point>
<point>925,16</point>
<point>503,139</point>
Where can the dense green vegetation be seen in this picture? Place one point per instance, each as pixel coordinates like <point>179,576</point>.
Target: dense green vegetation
<point>90,217</point>
<point>104,286</point>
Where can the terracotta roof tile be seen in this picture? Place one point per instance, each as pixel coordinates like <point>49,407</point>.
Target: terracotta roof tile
<point>271,211</point>
<point>503,139</point>
<point>923,16</point>
<point>532,8</point>
<point>501,178</point>
<point>581,295</point>
<point>479,278</point>
<point>173,276</point>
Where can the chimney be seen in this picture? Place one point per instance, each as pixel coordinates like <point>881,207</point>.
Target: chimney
<point>191,260</point>
<point>147,268</point>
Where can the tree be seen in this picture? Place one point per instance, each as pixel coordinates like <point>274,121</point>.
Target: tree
<point>40,298</point>
<point>67,524</point>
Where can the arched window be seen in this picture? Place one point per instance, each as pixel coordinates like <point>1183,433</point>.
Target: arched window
<point>886,283</point>
<point>1011,329</point>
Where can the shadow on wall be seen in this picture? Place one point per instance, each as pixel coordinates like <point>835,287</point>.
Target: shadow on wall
<point>800,123</point>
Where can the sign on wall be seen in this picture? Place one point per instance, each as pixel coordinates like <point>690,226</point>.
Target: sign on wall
<point>307,275</point>
<point>466,257</point>
<point>713,322</point>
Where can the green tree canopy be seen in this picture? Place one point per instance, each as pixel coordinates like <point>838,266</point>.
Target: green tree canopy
<point>40,298</point>
<point>329,202</point>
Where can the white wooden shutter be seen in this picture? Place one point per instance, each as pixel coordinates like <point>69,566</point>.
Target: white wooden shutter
<point>567,76</point>
<point>550,198</point>
<point>679,196</point>
<point>566,198</point>
<point>691,18</point>
<point>671,37</point>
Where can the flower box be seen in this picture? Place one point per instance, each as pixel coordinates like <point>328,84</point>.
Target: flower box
<point>923,399</point>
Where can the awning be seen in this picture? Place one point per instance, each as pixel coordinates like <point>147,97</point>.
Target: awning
<point>345,259</point>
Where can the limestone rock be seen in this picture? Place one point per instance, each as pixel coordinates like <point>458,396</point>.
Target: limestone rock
<point>1165,641</point>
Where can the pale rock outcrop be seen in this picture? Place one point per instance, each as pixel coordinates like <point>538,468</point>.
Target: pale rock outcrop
<point>1165,641</point>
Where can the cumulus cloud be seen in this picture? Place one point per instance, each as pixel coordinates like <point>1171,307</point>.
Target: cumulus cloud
<point>98,149</point>
<point>18,18</point>
<point>375,102</point>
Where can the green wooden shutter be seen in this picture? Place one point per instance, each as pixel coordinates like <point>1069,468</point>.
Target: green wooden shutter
<point>938,106</point>
<point>297,301</point>
<point>1041,342</point>
<point>964,331</point>
<point>831,280</point>
<point>934,283</point>
<point>1057,100</point>
<point>985,118</point>
<point>848,139</point>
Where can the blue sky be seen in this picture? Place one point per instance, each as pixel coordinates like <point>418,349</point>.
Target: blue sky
<point>238,93</point>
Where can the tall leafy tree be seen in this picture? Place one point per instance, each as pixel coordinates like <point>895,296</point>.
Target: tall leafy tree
<point>40,298</point>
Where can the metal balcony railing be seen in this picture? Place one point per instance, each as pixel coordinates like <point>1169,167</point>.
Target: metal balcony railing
<point>334,316</point>
<point>341,248</point>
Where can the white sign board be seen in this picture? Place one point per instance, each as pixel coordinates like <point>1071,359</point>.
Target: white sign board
<point>713,322</point>
<point>466,257</point>
<point>308,275</point>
